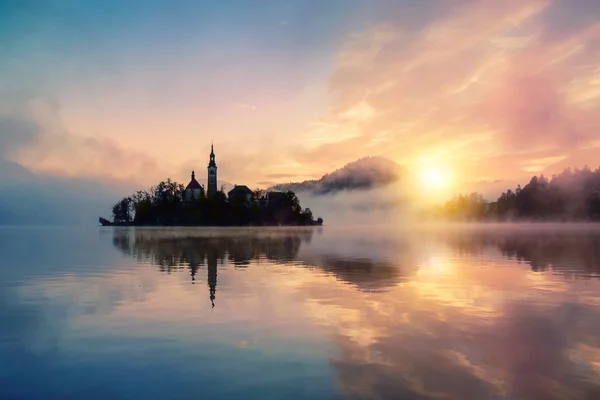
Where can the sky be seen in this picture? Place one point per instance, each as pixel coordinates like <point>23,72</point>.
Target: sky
<point>460,90</point>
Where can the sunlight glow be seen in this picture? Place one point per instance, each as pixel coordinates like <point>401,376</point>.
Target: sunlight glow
<point>434,178</point>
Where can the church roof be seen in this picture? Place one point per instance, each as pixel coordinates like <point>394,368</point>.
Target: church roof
<point>240,190</point>
<point>193,183</point>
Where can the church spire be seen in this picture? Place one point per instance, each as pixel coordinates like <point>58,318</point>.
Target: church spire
<point>212,162</point>
<point>212,172</point>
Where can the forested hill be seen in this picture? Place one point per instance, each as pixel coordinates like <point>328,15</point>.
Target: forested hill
<point>365,173</point>
<point>572,195</point>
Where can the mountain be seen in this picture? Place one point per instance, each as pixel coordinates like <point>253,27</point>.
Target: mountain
<point>13,172</point>
<point>30,198</point>
<point>220,183</point>
<point>363,174</point>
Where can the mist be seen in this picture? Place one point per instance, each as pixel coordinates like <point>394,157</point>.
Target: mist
<point>378,206</point>
<point>40,199</point>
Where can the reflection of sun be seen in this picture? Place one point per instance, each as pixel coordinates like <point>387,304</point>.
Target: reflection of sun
<point>434,178</point>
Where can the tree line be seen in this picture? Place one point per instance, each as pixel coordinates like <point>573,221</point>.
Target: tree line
<point>572,195</point>
<point>165,205</point>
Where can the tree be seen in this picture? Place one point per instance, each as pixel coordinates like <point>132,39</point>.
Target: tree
<point>121,211</point>
<point>257,194</point>
<point>307,217</point>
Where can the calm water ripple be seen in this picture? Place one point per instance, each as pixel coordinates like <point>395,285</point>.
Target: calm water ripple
<point>461,312</point>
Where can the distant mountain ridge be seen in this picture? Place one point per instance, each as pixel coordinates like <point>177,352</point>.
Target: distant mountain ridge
<point>15,172</point>
<point>41,199</point>
<point>363,174</point>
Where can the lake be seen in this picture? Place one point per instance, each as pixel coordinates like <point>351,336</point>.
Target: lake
<point>455,312</point>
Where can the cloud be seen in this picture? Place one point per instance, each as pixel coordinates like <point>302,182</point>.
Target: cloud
<point>462,83</point>
<point>33,135</point>
<point>466,81</point>
<point>14,134</point>
<point>364,174</point>
<point>75,179</point>
<point>282,176</point>
<point>62,153</point>
<point>266,183</point>
<point>540,164</point>
<point>245,106</point>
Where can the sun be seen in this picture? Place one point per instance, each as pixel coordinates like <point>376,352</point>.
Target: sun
<point>434,178</point>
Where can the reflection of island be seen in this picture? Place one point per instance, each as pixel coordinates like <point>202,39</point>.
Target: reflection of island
<point>175,249</point>
<point>211,262</point>
<point>567,250</point>
<point>178,249</point>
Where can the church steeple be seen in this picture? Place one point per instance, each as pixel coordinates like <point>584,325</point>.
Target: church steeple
<point>212,163</point>
<point>212,173</point>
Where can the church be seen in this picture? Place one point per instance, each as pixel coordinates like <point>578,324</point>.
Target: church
<point>239,193</point>
<point>194,189</point>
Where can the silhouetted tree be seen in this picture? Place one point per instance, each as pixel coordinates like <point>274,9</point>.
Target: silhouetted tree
<point>121,211</point>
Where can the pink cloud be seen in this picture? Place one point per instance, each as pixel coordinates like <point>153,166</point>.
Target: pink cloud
<point>470,80</point>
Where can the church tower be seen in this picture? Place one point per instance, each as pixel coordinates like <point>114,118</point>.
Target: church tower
<point>212,173</point>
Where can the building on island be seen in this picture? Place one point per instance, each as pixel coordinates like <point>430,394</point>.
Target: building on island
<point>241,193</point>
<point>193,190</point>
<point>212,173</point>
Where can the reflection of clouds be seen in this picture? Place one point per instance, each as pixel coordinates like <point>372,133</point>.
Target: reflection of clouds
<point>531,346</point>
<point>95,295</point>
<point>370,260</point>
<point>41,265</point>
<point>465,327</point>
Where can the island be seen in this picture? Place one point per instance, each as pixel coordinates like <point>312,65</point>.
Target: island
<point>171,204</point>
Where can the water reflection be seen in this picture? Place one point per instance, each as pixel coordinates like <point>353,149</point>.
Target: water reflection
<point>434,314</point>
<point>177,249</point>
<point>419,313</point>
<point>571,250</point>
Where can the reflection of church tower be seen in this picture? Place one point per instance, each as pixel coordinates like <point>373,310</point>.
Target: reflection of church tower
<point>212,173</point>
<point>211,261</point>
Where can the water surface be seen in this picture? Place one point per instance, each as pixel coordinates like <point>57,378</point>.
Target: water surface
<point>484,312</point>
